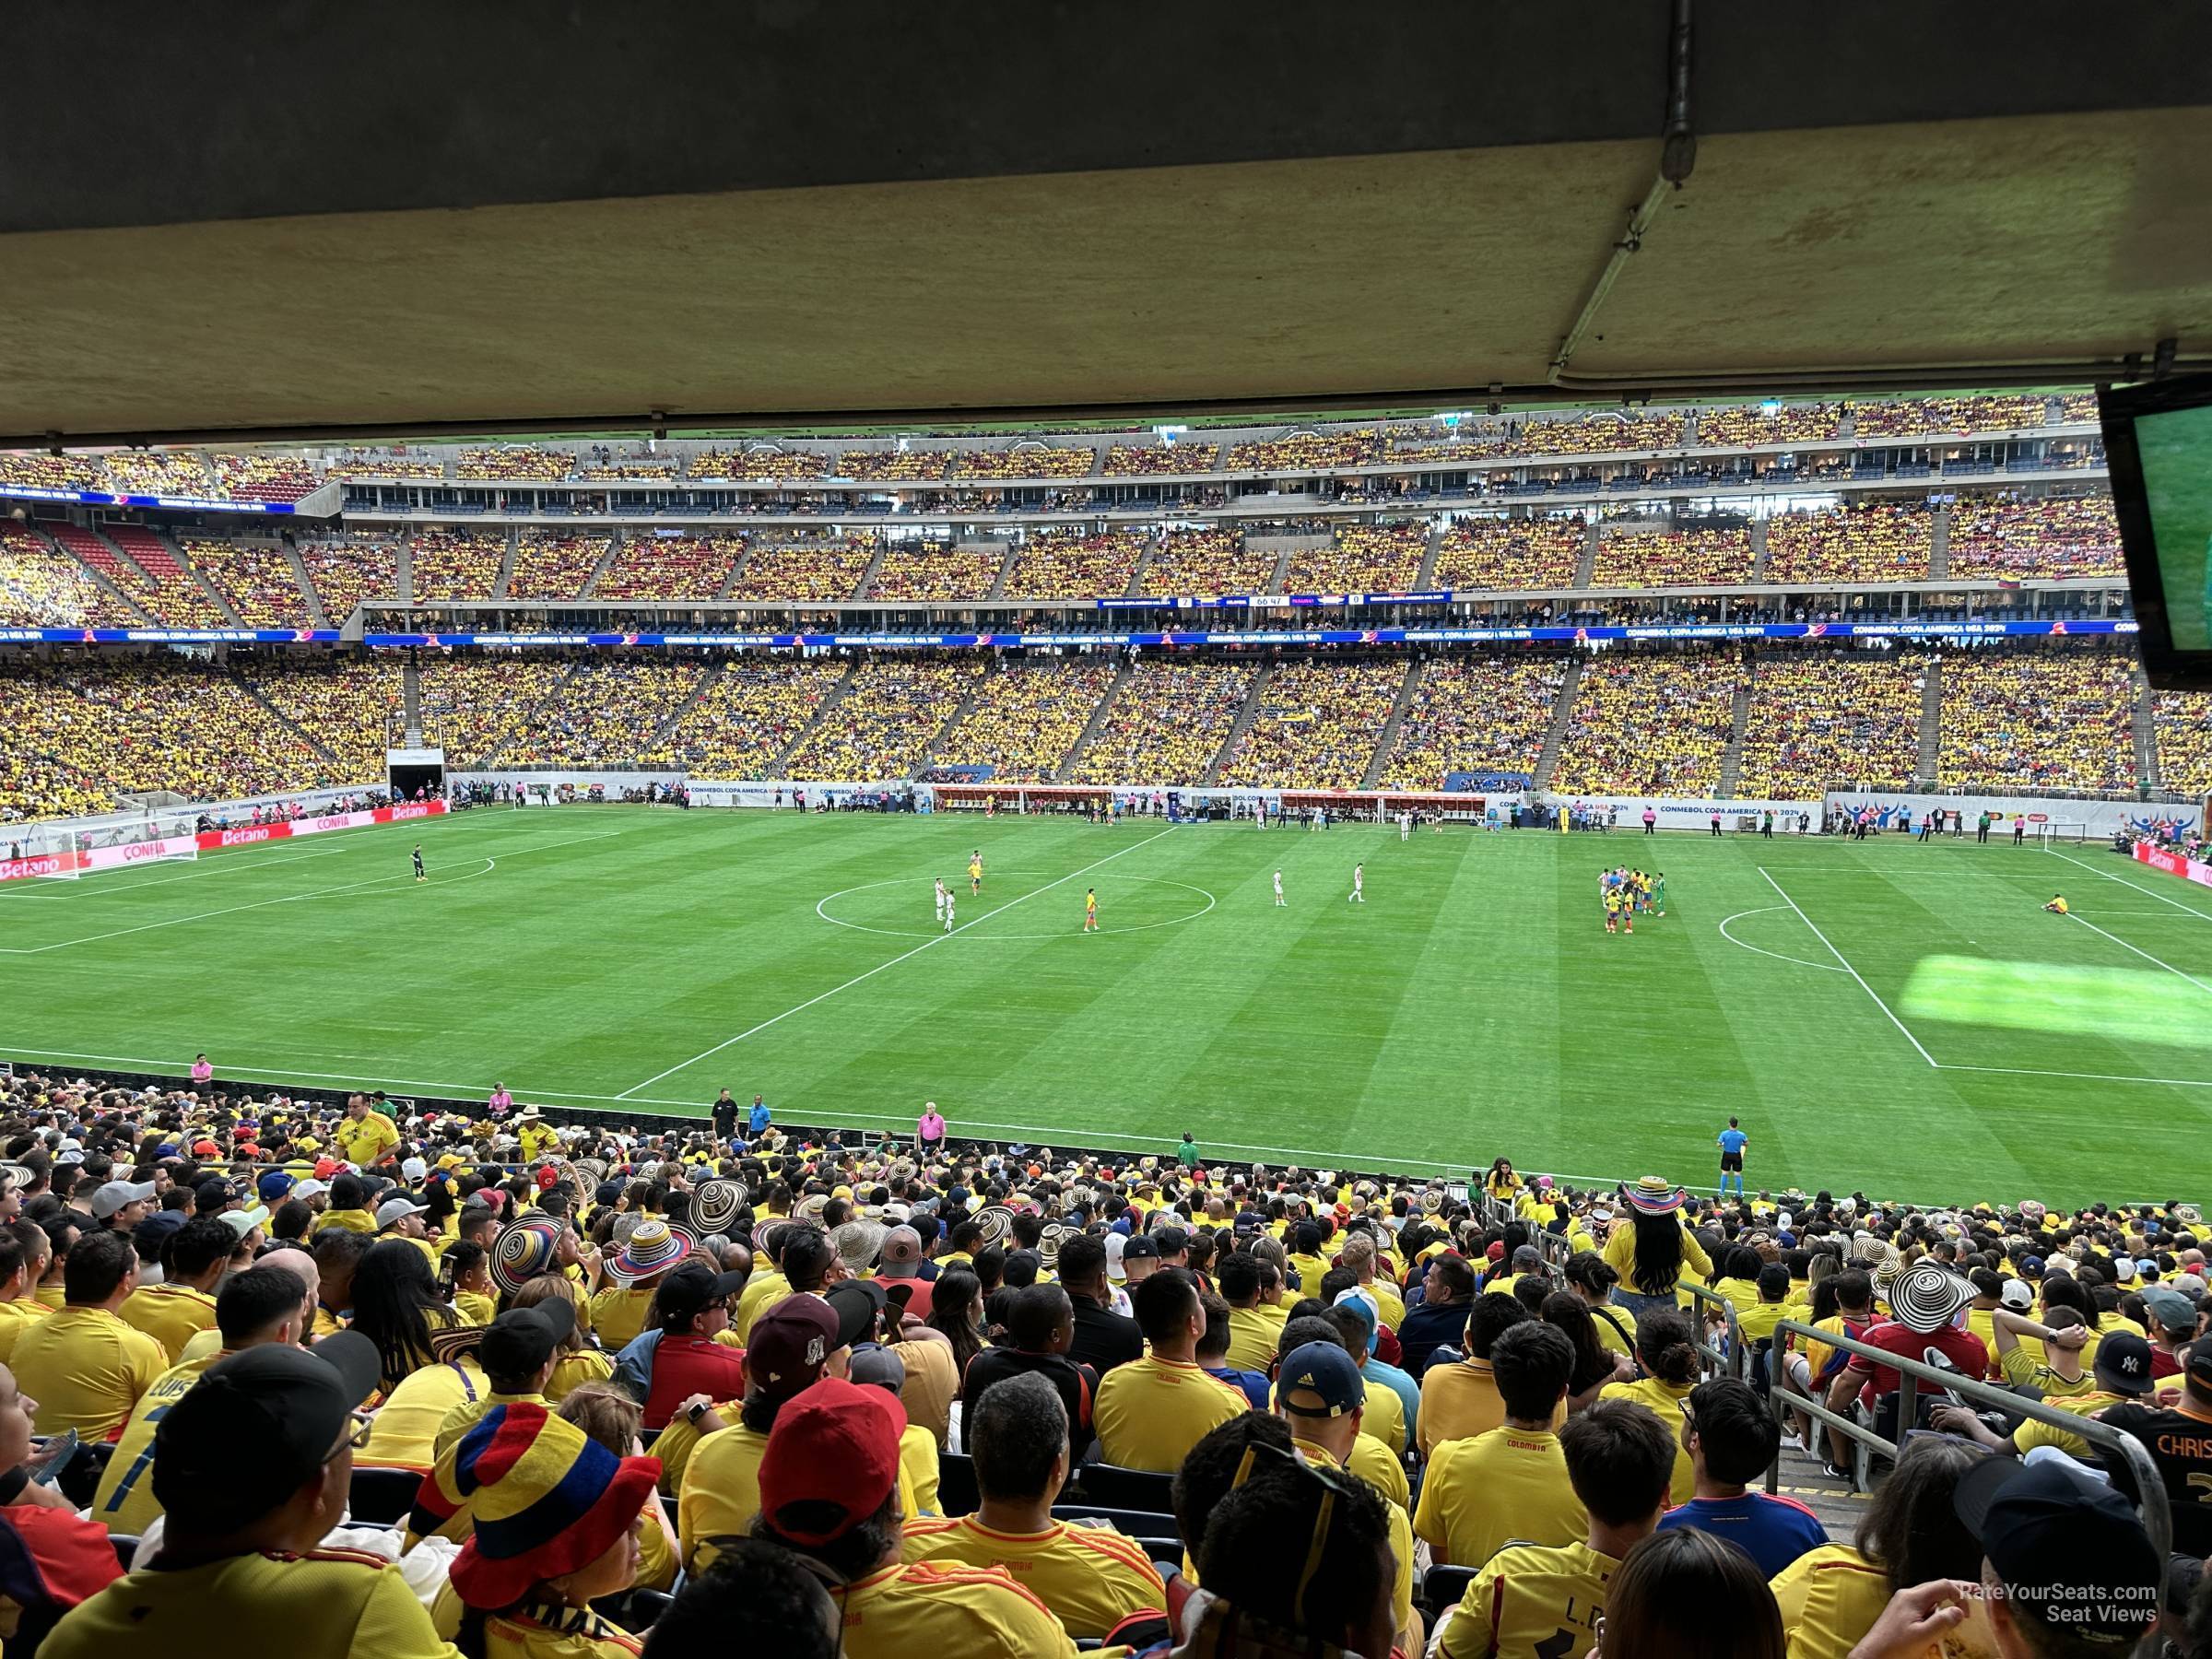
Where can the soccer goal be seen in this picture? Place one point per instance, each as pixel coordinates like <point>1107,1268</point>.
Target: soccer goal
<point>2051,834</point>
<point>52,855</point>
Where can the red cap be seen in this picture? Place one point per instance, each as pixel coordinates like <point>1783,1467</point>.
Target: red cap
<point>206,1149</point>
<point>833,1443</point>
<point>546,1177</point>
<point>327,1167</point>
<point>1497,1251</point>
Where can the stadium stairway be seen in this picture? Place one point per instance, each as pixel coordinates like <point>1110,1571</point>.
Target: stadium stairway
<point>1739,720</point>
<point>737,566</point>
<point>158,546</point>
<point>1584,568</point>
<point>1427,573</point>
<point>1005,564</point>
<point>1066,772</point>
<point>312,599</point>
<point>867,584</point>
<point>1563,710</point>
<point>952,721</point>
<point>1931,726</point>
<point>410,702</point>
<point>102,573</point>
<point>1135,590</point>
<point>614,546</point>
<point>1389,738</point>
<point>1939,545</point>
<point>828,706</point>
<point>1758,554</point>
<point>403,569</point>
<point>1254,700</point>
<point>284,722</point>
<point>506,575</point>
<point>2146,742</point>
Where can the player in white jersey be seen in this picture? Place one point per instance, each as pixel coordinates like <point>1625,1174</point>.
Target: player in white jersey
<point>1279,886</point>
<point>1358,879</point>
<point>1405,826</point>
<point>949,912</point>
<point>942,897</point>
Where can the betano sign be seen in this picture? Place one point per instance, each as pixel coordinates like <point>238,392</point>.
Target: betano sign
<point>207,841</point>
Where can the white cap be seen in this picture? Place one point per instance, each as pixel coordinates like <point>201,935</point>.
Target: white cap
<point>414,1168</point>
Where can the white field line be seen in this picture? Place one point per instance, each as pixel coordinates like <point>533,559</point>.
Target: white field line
<point>2123,881</point>
<point>1850,969</point>
<point>881,966</point>
<point>2146,955</point>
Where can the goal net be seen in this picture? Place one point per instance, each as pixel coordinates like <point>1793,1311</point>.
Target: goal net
<point>52,855</point>
<point>2051,834</point>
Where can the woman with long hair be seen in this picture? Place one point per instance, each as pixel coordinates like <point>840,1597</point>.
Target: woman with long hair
<point>395,1305</point>
<point>441,1215</point>
<point>1910,1534</point>
<point>1688,1595</point>
<point>1667,1349</point>
<point>1594,1364</point>
<point>1501,1182</point>
<point>1651,1252</point>
<point>956,1310</point>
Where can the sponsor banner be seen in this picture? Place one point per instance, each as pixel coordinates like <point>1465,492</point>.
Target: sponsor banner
<point>1690,813</point>
<point>2174,864</point>
<point>211,841</point>
<point>168,636</point>
<point>101,498</point>
<point>2072,820</point>
<point>1308,636</point>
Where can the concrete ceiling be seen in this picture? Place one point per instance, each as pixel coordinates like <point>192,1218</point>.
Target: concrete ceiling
<point>288,220</point>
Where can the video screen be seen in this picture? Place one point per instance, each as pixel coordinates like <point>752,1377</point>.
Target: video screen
<point>2176,451</point>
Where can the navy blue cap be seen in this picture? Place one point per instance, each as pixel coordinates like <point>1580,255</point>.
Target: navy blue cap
<point>1323,1372</point>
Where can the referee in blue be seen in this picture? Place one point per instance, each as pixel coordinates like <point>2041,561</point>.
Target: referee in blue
<point>1732,1141</point>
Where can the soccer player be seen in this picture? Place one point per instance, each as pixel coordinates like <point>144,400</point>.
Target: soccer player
<point>419,875</point>
<point>975,872</point>
<point>947,912</point>
<point>1090,910</point>
<point>1358,879</point>
<point>1279,886</point>
<point>943,898</point>
<point>2057,905</point>
<point>1659,893</point>
<point>1405,826</point>
<point>1732,1142</point>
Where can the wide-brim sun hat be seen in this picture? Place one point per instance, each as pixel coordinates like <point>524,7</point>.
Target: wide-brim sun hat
<point>1048,1242</point>
<point>654,1247</point>
<point>996,1222</point>
<point>858,1244</point>
<point>1654,1195</point>
<point>715,1203</point>
<point>523,1251</point>
<point>1926,1299</point>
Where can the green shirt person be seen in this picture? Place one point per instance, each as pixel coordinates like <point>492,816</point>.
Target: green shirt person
<point>1187,1154</point>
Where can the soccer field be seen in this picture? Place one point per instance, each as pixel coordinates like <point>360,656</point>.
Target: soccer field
<point>1901,1017</point>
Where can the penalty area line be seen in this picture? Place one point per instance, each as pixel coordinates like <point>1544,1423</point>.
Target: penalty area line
<point>1855,973</point>
<point>881,966</point>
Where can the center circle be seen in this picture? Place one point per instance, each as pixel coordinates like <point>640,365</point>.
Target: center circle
<point>822,906</point>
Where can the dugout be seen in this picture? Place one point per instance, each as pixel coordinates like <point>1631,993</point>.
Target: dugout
<point>408,770</point>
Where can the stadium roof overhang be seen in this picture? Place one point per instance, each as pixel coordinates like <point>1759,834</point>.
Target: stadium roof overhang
<point>308,220</point>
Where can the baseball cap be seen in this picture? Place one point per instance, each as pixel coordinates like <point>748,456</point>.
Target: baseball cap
<point>274,1186</point>
<point>113,1195</point>
<point>309,1188</point>
<point>2069,1550</point>
<point>522,1339</point>
<point>2122,1363</point>
<point>2017,1295</point>
<point>789,1346</point>
<point>901,1252</point>
<point>242,1222</point>
<point>155,1230</point>
<point>2199,1365</point>
<point>290,1406</point>
<point>692,1289</point>
<point>1142,1247</point>
<point>413,1168</point>
<point>2170,1307</point>
<point>1117,1245</point>
<point>858,1304</point>
<point>834,1448</point>
<point>396,1209</point>
<point>1324,1370</point>
<point>875,1365</point>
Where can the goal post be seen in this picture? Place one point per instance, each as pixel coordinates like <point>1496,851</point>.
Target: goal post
<point>53,854</point>
<point>2049,833</point>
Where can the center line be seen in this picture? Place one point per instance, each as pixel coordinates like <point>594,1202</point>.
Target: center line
<point>871,973</point>
<point>1848,969</point>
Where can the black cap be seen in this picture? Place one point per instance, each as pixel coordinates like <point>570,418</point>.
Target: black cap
<point>692,1289</point>
<point>256,1427</point>
<point>1139,1247</point>
<point>2122,1363</point>
<point>520,1340</point>
<point>2069,1549</point>
<point>858,1304</point>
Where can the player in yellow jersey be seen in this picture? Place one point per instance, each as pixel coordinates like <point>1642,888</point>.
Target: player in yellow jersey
<point>1090,910</point>
<point>2058,905</point>
<point>975,872</point>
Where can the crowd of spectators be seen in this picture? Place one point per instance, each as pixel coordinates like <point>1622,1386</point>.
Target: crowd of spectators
<point>1743,426</point>
<point>264,475</point>
<point>42,587</point>
<point>885,722</point>
<point>895,465</point>
<point>679,565</point>
<point>456,564</point>
<point>254,578</point>
<point>552,565</point>
<point>824,570</point>
<point>1361,558</point>
<point>1316,727</point>
<point>1511,554</point>
<point>44,471</point>
<point>1875,543</point>
<point>1474,714</point>
<point>929,572</point>
<point>1318,452</point>
<point>1826,720</point>
<point>2077,409</point>
<point>1023,461</point>
<point>343,703</point>
<point>1166,724</point>
<point>158,472</point>
<point>2044,719</point>
<point>347,571</point>
<point>1065,564</point>
<point>175,596</point>
<point>1027,717</point>
<point>514,463</point>
<point>763,463</point>
<point>2043,536</point>
<point>1160,460</point>
<point>474,706</point>
<point>607,711</point>
<point>393,465</point>
<point>1207,563</point>
<point>81,732</point>
<point>1719,558</point>
<point>1928,417</point>
<point>1653,722</point>
<point>2183,724</point>
<point>749,715</point>
<point>852,1393</point>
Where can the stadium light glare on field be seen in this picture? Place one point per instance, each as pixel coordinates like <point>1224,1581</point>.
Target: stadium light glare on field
<point>2126,1004</point>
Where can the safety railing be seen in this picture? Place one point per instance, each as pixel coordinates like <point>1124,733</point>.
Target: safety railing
<point>1729,1359</point>
<point>2150,1487</point>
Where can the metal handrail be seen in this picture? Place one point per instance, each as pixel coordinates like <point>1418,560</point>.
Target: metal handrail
<point>1732,1361</point>
<point>2151,1486</point>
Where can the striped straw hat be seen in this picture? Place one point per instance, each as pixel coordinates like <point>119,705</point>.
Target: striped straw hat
<point>654,1247</point>
<point>525,1250</point>
<point>543,1498</point>
<point>1654,1195</point>
<point>1926,1298</point>
<point>715,1203</point>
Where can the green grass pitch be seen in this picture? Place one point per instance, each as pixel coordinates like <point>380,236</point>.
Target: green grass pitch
<point>1901,1018</point>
